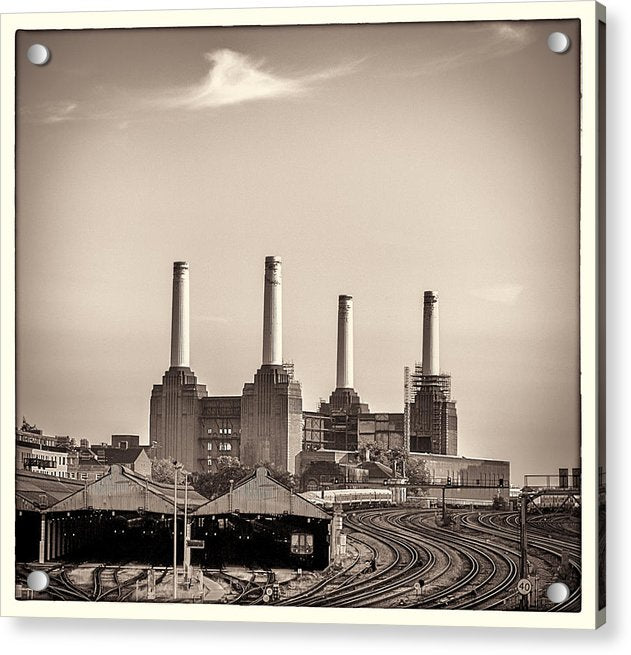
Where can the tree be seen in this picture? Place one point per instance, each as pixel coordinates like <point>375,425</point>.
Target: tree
<point>372,451</point>
<point>163,470</point>
<point>215,483</point>
<point>391,457</point>
<point>415,469</point>
<point>290,480</point>
<point>394,458</point>
<point>227,461</point>
<point>417,472</point>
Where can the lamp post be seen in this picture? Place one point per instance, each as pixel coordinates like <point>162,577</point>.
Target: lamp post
<point>523,547</point>
<point>176,471</point>
<point>187,550</point>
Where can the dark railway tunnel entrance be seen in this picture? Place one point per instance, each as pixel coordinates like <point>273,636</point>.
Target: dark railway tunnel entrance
<point>109,537</point>
<point>262,523</point>
<point>114,537</point>
<point>261,541</point>
<point>27,536</point>
<point>123,518</point>
<point>120,518</point>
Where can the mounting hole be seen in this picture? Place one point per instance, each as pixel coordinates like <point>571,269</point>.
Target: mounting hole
<point>37,580</point>
<point>558,592</point>
<point>38,54</point>
<point>559,42</point>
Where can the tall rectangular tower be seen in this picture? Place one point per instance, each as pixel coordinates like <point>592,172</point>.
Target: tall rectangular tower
<point>432,415</point>
<point>271,405</point>
<point>175,409</point>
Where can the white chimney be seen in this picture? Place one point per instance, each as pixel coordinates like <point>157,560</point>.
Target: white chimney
<point>273,312</point>
<point>180,349</point>
<point>431,365</point>
<point>345,343</point>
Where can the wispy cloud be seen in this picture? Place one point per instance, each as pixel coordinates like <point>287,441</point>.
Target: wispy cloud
<point>491,40</point>
<point>233,78</point>
<point>51,112</point>
<point>507,294</point>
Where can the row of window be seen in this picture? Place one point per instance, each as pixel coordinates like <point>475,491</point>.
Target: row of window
<point>464,477</point>
<point>84,476</point>
<point>71,475</point>
<point>40,441</point>
<point>221,431</point>
<point>223,446</point>
<point>59,460</point>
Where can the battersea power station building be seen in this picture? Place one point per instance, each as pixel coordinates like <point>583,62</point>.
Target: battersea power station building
<point>266,423</point>
<point>263,424</point>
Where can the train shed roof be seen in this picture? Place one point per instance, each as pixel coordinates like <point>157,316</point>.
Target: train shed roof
<point>377,470</point>
<point>125,491</point>
<point>261,494</point>
<point>38,491</point>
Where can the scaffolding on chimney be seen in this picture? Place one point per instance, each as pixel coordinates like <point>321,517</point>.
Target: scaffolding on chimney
<point>440,382</point>
<point>439,387</point>
<point>407,402</point>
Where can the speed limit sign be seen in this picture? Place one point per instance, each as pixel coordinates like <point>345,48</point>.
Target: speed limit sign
<point>524,586</point>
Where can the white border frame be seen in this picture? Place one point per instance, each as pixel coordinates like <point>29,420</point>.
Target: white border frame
<point>589,13</point>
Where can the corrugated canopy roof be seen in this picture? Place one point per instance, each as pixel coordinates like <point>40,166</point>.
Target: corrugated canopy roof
<point>37,491</point>
<point>125,491</point>
<point>261,494</point>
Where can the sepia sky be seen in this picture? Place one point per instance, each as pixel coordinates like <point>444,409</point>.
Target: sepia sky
<point>377,161</point>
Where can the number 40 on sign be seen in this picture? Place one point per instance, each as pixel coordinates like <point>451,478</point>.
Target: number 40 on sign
<point>524,586</point>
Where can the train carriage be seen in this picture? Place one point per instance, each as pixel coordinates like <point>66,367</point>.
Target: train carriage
<point>301,544</point>
<point>350,498</point>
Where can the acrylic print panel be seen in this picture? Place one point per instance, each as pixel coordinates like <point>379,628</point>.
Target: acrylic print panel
<point>297,318</point>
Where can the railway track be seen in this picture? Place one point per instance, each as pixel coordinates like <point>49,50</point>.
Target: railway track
<point>342,578</point>
<point>62,587</point>
<point>386,581</point>
<point>403,561</point>
<point>506,525</point>
<point>493,569</point>
<point>472,565</point>
<point>252,592</point>
<point>476,568</point>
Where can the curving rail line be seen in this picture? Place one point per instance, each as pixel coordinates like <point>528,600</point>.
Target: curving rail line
<point>473,568</point>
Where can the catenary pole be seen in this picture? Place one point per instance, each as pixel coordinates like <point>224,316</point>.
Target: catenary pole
<point>175,534</point>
